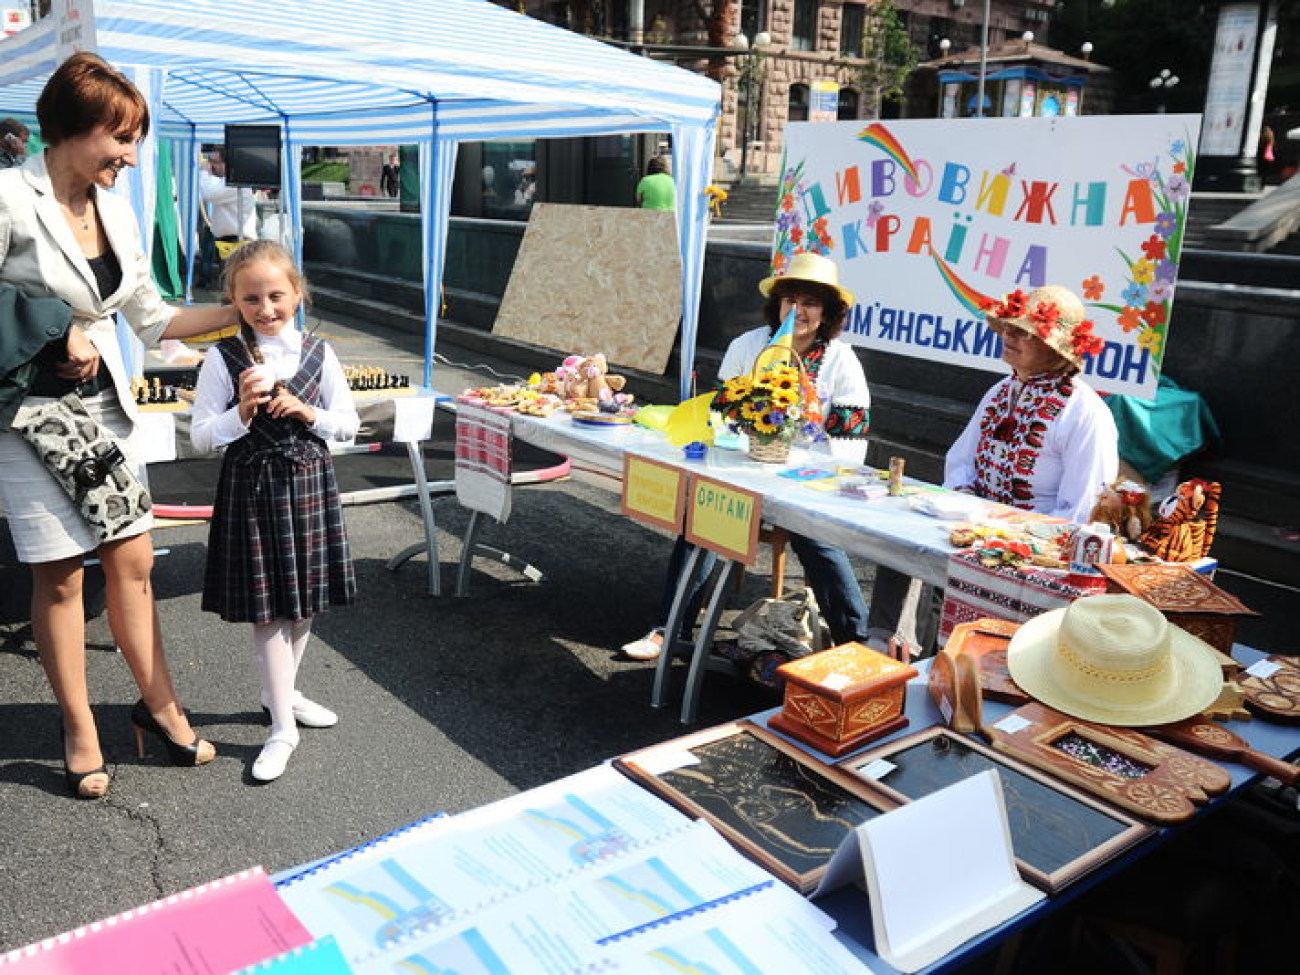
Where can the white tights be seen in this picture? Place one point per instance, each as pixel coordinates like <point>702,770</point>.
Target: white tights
<point>277,651</point>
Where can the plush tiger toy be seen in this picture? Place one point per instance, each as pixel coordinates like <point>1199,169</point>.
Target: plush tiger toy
<point>1183,529</point>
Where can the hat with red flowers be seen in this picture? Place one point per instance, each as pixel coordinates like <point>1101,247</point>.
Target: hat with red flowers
<point>1051,313</point>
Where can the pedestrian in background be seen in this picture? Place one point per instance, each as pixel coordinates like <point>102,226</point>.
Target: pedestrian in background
<point>13,143</point>
<point>656,190</point>
<point>390,176</point>
<point>278,547</point>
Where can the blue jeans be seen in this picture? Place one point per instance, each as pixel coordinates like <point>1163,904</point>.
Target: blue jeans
<point>695,587</point>
<point>826,570</point>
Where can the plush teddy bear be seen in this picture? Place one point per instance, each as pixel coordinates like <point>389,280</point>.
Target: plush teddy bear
<point>588,377</point>
<point>1126,507</point>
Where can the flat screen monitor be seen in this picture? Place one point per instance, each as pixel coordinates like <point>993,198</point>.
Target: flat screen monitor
<point>253,155</point>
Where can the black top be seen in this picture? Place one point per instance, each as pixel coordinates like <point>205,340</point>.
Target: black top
<point>46,382</point>
<point>107,271</point>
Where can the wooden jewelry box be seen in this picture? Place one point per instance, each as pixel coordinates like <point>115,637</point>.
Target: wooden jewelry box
<point>840,699</point>
<point>1188,599</point>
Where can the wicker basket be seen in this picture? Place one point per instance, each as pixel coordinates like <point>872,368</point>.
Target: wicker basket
<point>773,451</point>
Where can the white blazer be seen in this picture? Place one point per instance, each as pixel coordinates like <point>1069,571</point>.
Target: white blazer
<point>40,257</point>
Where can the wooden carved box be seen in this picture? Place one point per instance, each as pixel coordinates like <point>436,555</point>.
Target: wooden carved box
<point>1188,600</point>
<point>840,699</point>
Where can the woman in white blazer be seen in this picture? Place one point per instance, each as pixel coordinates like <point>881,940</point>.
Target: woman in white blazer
<point>61,235</point>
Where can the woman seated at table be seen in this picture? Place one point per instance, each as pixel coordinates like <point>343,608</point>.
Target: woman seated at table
<point>1041,439</point>
<point>810,286</point>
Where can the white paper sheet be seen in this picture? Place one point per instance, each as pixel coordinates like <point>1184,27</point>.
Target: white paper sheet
<point>940,871</point>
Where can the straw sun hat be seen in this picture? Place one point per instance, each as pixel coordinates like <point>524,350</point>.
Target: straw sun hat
<point>1051,313</point>
<point>814,268</point>
<point>1114,660</point>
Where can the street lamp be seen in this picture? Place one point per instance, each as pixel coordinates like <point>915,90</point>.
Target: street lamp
<point>1161,84</point>
<point>1086,50</point>
<point>750,89</point>
<point>944,45</point>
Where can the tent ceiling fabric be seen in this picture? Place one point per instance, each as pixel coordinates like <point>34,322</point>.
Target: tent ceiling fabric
<point>486,68</point>
<point>365,72</point>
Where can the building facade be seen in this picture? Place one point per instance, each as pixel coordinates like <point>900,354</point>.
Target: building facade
<point>791,60</point>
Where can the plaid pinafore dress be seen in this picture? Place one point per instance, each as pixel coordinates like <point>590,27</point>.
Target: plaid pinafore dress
<point>278,545</point>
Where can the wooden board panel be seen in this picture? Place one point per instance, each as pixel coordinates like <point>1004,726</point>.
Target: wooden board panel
<point>594,279</point>
<point>1058,833</point>
<point>772,801</point>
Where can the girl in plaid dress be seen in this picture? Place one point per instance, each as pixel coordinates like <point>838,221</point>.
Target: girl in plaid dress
<point>278,547</point>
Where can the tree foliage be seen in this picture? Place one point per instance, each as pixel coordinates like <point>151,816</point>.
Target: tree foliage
<point>888,53</point>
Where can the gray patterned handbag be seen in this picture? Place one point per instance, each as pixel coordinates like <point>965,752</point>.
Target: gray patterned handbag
<point>87,462</point>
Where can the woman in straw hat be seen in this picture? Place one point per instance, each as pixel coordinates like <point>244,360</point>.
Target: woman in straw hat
<point>1041,439</point>
<point>810,286</point>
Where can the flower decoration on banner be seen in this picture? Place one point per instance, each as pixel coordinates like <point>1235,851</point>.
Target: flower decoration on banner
<point>1147,290</point>
<point>792,235</point>
<point>768,404</point>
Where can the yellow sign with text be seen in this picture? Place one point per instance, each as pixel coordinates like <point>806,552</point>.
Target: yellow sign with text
<point>654,492</point>
<point>723,518</point>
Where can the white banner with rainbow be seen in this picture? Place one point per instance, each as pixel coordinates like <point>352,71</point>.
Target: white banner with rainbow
<point>929,219</point>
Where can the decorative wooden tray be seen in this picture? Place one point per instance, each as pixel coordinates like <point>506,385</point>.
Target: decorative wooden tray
<point>1058,833</point>
<point>1272,688</point>
<point>1150,778</point>
<point>770,799</point>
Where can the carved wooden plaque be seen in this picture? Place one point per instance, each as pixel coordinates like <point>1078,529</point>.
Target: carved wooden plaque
<point>1150,778</point>
<point>1188,599</point>
<point>774,802</point>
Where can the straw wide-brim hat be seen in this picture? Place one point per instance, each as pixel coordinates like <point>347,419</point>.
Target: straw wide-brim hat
<point>1115,660</point>
<point>807,266</point>
<point>1070,315</point>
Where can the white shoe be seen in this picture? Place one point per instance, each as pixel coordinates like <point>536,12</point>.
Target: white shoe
<point>649,647</point>
<point>273,760</point>
<point>308,713</point>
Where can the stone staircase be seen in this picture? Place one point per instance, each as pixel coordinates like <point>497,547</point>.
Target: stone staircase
<point>749,202</point>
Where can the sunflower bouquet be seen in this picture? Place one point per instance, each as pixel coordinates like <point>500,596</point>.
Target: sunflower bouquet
<point>766,405</point>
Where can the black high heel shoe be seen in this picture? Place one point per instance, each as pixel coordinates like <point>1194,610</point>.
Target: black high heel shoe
<point>77,783</point>
<point>184,755</point>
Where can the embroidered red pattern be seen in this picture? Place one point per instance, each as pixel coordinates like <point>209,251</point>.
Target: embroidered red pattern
<point>1013,431</point>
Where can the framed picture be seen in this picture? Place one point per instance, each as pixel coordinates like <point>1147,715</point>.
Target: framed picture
<point>1058,834</point>
<point>774,802</point>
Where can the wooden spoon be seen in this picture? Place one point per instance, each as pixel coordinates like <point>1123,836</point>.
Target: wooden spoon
<point>1210,738</point>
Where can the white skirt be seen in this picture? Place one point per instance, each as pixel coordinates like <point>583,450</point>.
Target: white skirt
<point>45,523</point>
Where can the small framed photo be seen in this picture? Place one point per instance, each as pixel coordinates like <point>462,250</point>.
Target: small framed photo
<point>774,802</point>
<point>1058,833</point>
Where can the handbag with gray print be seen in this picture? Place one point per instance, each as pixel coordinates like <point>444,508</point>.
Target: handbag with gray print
<point>87,462</point>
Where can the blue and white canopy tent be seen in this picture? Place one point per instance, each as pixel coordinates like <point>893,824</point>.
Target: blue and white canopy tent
<point>362,72</point>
